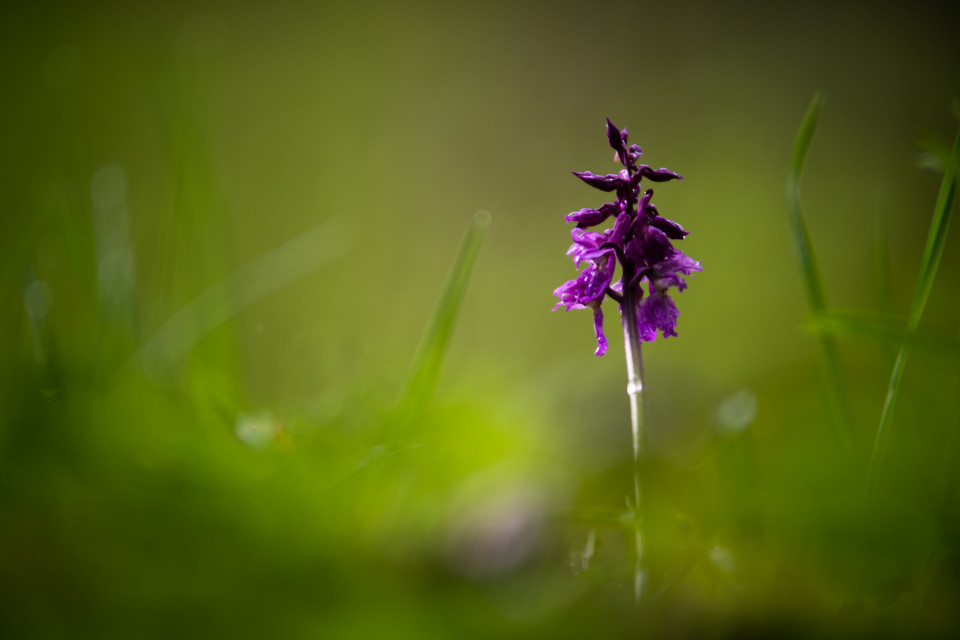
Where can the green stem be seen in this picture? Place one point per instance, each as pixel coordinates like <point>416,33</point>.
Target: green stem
<point>636,391</point>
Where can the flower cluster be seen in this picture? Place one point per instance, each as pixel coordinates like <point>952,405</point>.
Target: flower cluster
<point>640,240</point>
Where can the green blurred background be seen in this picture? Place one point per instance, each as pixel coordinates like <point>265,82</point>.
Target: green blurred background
<point>224,230</point>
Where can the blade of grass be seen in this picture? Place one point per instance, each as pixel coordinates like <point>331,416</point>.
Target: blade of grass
<point>231,295</point>
<point>937,236</point>
<point>882,329</point>
<point>836,393</point>
<point>928,270</point>
<point>428,361</point>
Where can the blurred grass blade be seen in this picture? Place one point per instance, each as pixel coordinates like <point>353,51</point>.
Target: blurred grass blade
<point>883,330</point>
<point>808,262</point>
<point>433,348</point>
<point>836,393</point>
<point>936,239</point>
<point>937,236</point>
<point>253,281</point>
<point>801,144</point>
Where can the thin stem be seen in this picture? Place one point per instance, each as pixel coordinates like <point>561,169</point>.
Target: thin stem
<point>635,379</point>
<point>636,392</point>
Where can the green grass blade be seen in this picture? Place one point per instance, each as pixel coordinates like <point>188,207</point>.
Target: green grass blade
<point>433,348</point>
<point>883,330</point>
<point>813,284</point>
<point>928,270</point>
<point>270,272</point>
<point>938,235</point>
<point>801,144</point>
<point>808,261</point>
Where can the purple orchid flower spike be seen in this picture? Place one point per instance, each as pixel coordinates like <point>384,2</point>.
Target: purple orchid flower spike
<point>640,242</point>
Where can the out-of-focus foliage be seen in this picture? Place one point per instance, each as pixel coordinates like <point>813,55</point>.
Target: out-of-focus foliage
<point>225,227</point>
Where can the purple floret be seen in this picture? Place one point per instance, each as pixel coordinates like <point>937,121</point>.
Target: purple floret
<point>609,182</point>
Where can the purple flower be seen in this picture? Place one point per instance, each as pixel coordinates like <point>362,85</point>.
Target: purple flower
<point>588,291</point>
<point>609,182</point>
<point>589,286</point>
<point>592,217</point>
<point>654,312</point>
<point>640,241</point>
